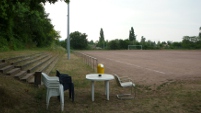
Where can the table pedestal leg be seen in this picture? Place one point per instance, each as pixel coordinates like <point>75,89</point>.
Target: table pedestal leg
<point>92,90</point>
<point>107,89</point>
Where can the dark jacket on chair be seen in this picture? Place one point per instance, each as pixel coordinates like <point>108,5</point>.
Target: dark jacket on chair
<point>67,83</point>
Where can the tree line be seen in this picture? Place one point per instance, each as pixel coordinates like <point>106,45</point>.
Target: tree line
<point>24,24</point>
<point>79,41</point>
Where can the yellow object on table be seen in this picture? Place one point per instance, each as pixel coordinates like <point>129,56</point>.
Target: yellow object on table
<point>100,69</point>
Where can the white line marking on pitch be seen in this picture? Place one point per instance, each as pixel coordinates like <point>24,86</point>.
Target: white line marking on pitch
<point>137,66</point>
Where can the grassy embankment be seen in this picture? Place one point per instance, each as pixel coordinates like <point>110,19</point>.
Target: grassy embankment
<point>20,97</point>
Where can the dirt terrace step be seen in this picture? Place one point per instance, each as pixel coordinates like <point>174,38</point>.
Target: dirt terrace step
<point>13,71</point>
<point>27,58</point>
<point>7,68</point>
<point>31,62</point>
<point>31,80</point>
<point>19,57</point>
<point>2,64</point>
<point>2,60</point>
<point>25,67</point>
<point>50,65</point>
<point>40,63</point>
<point>47,67</point>
<point>27,76</point>
<point>30,77</point>
<point>20,74</point>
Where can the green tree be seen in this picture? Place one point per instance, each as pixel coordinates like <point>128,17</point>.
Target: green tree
<point>101,42</point>
<point>78,40</point>
<point>91,42</point>
<point>143,39</point>
<point>159,45</point>
<point>113,44</point>
<point>187,42</point>
<point>132,36</point>
<point>63,43</point>
<point>24,23</point>
<point>123,44</point>
<point>176,45</point>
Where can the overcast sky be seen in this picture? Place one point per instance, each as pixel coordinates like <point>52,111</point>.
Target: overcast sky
<point>156,20</point>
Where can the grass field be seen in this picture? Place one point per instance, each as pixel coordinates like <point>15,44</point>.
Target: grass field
<point>178,96</point>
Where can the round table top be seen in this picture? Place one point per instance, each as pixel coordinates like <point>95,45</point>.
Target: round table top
<point>96,77</point>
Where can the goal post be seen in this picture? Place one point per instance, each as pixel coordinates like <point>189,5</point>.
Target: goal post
<point>132,47</point>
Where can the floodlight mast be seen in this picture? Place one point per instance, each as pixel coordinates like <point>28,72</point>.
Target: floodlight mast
<point>68,30</point>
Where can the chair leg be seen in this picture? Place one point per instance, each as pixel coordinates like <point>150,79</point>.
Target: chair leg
<point>126,96</point>
<point>47,98</point>
<point>134,91</point>
<point>61,97</point>
<point>62,107</point>
<point>47,106</point>
<point>62,102</point>
<point>72,92</point>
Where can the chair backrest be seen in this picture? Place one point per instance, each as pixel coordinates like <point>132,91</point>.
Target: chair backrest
<point>50,82</point>
<point>64,78</point>
<point>117,79</point>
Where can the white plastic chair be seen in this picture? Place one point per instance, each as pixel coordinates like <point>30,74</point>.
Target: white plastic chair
<point>54,88</point>
<point>125,82</point>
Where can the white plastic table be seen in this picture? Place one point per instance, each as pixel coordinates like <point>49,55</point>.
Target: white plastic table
<point>103,77</point>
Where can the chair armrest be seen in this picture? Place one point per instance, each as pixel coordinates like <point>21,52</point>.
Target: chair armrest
<point>126,80</point>
<point>55,78</point>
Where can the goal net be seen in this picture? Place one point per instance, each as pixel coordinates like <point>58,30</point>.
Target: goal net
<point>134,47</point>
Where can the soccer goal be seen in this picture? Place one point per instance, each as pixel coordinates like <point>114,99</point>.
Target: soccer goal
<point>134,47</point>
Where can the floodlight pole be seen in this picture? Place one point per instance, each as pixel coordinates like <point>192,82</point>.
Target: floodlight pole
<point>68,30</point>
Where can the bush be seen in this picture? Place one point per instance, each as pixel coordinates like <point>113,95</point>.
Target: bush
<point>16,44</point>
<point>3,44</point>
